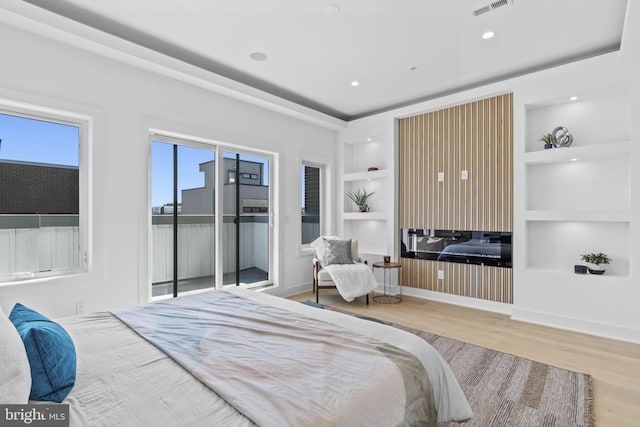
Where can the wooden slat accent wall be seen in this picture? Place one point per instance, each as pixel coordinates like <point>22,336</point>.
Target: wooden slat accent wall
<point>477,137</point>
<point>489,283</point>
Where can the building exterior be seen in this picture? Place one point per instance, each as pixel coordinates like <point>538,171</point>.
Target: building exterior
<point>254,195</point>
<point>38,188</point>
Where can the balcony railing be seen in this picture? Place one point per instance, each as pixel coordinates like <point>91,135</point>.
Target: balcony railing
<point>32,244</point>
<point>196,237</point>
<point>37,243</point>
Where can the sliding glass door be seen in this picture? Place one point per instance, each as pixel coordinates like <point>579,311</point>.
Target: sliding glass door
<point>182,188</point>
<point>246,218</point>
<point>186,186</point>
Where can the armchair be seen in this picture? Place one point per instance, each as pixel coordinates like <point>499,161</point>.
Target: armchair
<point>337,265</point>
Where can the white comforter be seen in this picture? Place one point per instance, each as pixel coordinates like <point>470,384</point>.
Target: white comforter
<point>450,401</point>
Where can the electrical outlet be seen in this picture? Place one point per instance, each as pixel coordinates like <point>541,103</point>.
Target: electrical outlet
<point>80,307</point>
<point>464,175</point>
<point>440,274</point>
<point>440,176</point>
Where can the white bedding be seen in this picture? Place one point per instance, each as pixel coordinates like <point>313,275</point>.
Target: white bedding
<point>450,401</point>
<point>124,380</point>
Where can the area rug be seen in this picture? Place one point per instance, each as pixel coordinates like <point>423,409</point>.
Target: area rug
<point>508,391</point>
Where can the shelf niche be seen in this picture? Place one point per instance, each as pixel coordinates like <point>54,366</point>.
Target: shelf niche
<point>600,118</point>
<point>557,245</point>
<point>580,185</point>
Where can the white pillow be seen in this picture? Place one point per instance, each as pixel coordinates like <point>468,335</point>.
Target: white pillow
<point>15,373</point>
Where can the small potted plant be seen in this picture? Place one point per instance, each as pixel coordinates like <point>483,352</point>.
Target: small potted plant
<point>360,198</point>
<point>547,138</point>
<point>594,262</point>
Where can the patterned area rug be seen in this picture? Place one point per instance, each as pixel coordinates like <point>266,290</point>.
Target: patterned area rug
<point>507,391</point>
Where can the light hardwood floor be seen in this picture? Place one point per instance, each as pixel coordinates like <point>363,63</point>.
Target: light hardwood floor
<point>614,365</point>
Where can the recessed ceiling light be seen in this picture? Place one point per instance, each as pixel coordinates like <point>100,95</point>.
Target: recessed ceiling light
<point>368,139</point>
<point>332,9</point>
<point>488,35</point>
<point>355,83</point>
<point>258,56</point>
<point>573,159</point>
<point>573,98</point>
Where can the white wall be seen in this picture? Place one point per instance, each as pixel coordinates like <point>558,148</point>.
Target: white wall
<point>125,102</point>
<point>608,307</point>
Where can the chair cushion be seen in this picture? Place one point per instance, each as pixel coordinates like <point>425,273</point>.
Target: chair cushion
<point>324,276</point>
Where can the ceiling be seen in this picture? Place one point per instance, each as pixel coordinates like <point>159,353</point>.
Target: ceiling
<point>400,51</point>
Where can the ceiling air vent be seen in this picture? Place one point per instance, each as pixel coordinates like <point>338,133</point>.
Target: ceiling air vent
<point>499,3</point>
<point>491,6</point>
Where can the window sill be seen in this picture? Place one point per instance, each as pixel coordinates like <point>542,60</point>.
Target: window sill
<point>43,279</point>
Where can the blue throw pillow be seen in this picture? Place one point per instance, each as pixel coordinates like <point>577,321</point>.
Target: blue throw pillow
<point>51,354</point>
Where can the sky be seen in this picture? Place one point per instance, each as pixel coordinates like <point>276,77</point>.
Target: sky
<point>39,141</point>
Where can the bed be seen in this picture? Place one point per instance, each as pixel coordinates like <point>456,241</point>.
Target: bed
<point>241,358</point>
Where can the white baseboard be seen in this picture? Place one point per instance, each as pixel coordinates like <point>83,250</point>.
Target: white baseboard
<point>589,327</point>
<point>290,291</point>
<point>480,304</point>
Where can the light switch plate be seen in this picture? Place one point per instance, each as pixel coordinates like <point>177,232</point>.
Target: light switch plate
<point>464,174</point>
<point>440,176</point>
<point>440,274</point>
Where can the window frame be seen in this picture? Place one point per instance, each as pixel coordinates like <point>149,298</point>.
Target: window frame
<point>305,249</point>
<point>85,125</point>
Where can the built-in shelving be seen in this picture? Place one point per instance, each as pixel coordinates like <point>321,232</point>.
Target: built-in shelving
<point>373,229</point>
<point>623,215</point>
<point>568,154</point>
<point>578,198</point>
<point>365,176</point>
<point>365,216</point>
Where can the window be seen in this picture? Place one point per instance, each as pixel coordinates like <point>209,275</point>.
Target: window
<point>43,194</point>
<point>253,176</point>
<point>310,176</point>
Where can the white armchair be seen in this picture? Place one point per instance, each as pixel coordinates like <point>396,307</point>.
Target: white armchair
<point>322,276</point>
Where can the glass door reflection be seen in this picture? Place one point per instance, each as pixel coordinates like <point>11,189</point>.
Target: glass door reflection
<point>182,193</point>
<point>246,210</point>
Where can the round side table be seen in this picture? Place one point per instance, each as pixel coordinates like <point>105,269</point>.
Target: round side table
<point>385,298</point>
